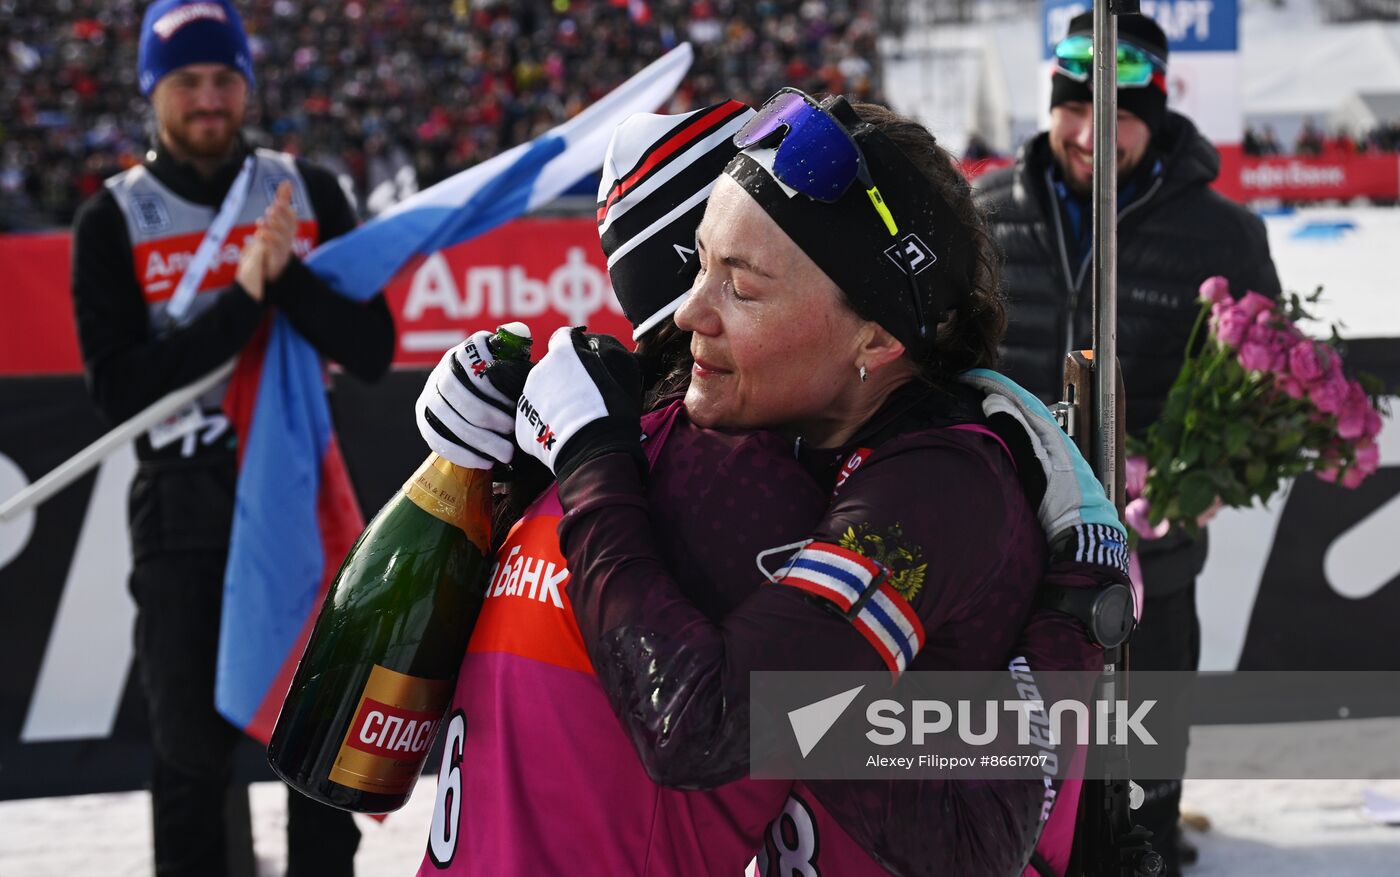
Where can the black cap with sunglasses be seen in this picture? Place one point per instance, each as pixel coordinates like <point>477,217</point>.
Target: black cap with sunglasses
<point>896,249</point>
<point>1142,67</point>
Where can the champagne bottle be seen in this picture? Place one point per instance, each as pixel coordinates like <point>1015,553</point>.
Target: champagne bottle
<point>379,669</point>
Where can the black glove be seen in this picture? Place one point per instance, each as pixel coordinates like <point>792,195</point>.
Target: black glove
<point>466,412</point>
<point>582,400</point>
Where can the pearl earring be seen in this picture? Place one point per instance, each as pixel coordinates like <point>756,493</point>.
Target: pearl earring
<point>862,374</point>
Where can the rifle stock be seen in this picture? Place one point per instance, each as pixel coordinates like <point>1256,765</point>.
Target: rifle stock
<point>1079,402</point>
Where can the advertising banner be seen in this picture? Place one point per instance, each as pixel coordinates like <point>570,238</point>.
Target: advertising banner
<point>1308,178</point>
<point>546,273</point>
<point>36,334</point>
<point>71,715</point>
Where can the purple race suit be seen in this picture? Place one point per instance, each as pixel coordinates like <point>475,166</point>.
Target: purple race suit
<point>535,778</point>
<point>940,508</point>
<point>537,774</point>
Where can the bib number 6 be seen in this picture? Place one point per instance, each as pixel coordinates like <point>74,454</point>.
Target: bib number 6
<point>447,811</point>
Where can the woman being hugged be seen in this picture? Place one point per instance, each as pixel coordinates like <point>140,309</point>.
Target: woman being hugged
<point>846,282</point>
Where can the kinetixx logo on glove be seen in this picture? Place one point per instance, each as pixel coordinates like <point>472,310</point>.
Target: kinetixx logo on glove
<point>543,434</point>
<point>581,400</point>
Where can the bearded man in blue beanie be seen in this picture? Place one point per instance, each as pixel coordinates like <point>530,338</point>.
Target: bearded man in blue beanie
<point>151,318</point>
<point>1174,231</point>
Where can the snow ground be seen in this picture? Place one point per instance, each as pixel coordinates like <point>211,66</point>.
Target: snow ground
<point>1351,262</point>
<point>1260,827</point>
<point>110,835</point>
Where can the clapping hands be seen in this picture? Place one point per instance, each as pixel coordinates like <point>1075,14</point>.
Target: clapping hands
<point>269,249</point>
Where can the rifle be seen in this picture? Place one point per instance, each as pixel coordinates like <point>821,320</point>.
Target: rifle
<point>1107,844</point>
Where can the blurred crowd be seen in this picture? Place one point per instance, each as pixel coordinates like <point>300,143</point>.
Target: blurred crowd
<point>395,95</point>
<point>1313,141</point>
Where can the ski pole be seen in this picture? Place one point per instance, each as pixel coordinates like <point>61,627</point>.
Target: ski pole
<point>75,466</point>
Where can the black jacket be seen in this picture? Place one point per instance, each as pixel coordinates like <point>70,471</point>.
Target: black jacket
<point>1174,231</point>
<point>129,367</point>
<point>187,504</point>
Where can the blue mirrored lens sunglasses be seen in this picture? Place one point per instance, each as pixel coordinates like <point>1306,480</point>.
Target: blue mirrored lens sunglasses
<point>816,156</point>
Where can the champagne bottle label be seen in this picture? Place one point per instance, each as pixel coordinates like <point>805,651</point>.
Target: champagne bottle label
<point>395,723</point>
<point>452,494</point>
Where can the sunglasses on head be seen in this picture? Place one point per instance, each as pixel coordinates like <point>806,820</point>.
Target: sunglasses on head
<point>1074,57</point>
<point>815,155</point>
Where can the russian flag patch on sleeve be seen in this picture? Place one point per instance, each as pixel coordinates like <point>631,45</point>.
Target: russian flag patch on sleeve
<point>860,588</point>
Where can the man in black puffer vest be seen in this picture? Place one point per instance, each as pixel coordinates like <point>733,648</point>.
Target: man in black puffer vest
<point>1174,231</point>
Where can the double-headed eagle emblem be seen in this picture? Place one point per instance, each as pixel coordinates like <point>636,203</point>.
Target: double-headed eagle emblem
<point>904,561</point>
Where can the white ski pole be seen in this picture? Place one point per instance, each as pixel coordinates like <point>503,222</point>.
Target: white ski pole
<point>75,466</point>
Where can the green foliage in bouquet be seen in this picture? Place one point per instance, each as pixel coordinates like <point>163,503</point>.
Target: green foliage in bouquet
<point>1256,403</point>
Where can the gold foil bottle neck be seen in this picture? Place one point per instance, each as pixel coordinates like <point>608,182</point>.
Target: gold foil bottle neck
<point>455,495</point>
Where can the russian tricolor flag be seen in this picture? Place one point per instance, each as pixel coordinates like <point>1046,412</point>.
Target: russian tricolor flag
<point>295,513</point>
<point>859,587</point>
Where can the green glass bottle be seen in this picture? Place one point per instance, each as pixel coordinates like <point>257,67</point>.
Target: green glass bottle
<point>379,669</point>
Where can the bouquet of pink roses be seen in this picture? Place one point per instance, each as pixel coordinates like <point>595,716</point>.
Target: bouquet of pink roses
<point>1259,402</point>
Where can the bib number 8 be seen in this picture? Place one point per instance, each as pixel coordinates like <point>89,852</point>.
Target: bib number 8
<point>792,843</point>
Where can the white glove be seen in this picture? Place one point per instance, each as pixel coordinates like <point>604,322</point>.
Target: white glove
<point>583,399</point>
<point>461,414</point>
